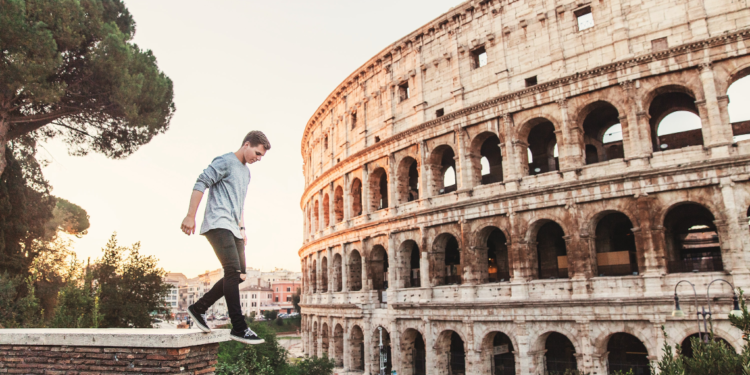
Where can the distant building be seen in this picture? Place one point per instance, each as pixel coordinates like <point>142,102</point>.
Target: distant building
<point>278,274</point>
<point>254,298</point>
<point>282,294</point>
<point>172,299</point>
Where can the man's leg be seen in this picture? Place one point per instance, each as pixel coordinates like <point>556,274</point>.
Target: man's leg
<point>225,247</point>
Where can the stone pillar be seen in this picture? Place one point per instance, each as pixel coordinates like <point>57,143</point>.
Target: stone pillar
<point>321,210</point>
<point>318,273</point>
<point>524,357</point>
<point>392,185</point>
<point>585,361</point>
<point>394,268</point>
<point>395,346</point>
<point>473,360</point>
<point>347,345</point>
<point>367,319</point>
<point>329,252</point>
<point>463,174</point>
<point>649,240</point>
<point>365,269</point>
<point>720,132</point>
<point>638,129</point>
<point>424,191</point>
<point>511,162</point>
<point>347,199</point>
<point>520,150</point>
<point>429,340</point>
<point>344,268</point>
<point>738,239</point>
<point>331,205</point>
<point>569,144</point>
<point>365,190</point>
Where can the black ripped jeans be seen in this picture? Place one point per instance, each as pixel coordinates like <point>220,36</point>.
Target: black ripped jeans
<point>231,253</point>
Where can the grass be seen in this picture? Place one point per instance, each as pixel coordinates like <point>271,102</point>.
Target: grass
<point>290,325</point>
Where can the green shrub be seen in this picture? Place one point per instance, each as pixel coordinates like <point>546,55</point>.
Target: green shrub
<point>279,321</point>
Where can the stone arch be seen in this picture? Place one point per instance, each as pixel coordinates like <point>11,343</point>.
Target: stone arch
<point>597,118</point>
<point>356,198</point>
<point>338,204</point>
<point>326,211</point>
<point>539,134</point>
<point>493,258</point>
<point>558,348</point>
<point>547,249</point>
<point>375,359</point>
<point>687,346</point>
<point>337,274</point>
<point>665,100</point>
<point>338,345</point>
<point>614,244</point>
<point>378,267</point>
<point>445,263</point>
<point>325,343</point>
<point>442,158</point>
<point>407,180</point>
<point>497,352</point>
<point>409,255</point>
<point>486,147</point>
<point>692,242</point>
<point>413,352</point>
<point>357,348</point>
<point>627,352</point>
<point>354,275</point>
<point>450,353</point>
<point>378,189</point>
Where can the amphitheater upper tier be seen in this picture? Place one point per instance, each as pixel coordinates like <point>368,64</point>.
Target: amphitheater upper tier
<point>520,166</point>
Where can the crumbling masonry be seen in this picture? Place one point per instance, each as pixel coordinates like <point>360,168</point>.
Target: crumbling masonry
<point>495,193</point>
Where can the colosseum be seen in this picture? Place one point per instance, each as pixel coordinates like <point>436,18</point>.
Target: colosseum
<point>494,192</point>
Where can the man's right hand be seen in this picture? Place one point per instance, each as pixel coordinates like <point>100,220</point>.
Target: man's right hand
<point>188,225</point>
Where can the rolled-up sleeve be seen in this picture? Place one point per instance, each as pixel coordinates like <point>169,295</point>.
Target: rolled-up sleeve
<point>214,173</point>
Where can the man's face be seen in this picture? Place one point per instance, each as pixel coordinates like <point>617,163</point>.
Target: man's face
<point>253,153</point>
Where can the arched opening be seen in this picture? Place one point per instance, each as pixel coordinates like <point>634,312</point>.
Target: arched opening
<point>600,146</point>
<point>552,252</point>
<point>338,204</point>
<point>379,268</point>
<point>446,261</point>
<point>314,276</point>
<point>687,344</point>
<point>356,195</point>
<point>413,353</point>
<point>357,349</point>
<point>498,356</point>
<point>615,246</point>
<point>408,180</point>
<point>410,256</point>
<point>560,355</point>
<point>542,147</point>
<point>498,268</point>
<point>316,215</point>
<point>354,277</point>
<point>627,353</point>
<point>691,240</point>
<point>324,343</point>
<point>337,280</point>
<point>442,170</point>
<point>451,354</point>
<point>486,159</point>
<point>381,335</point>
<point>739,111</point>
<point>674,120</point>
<point>378,189</point>
<point>324,275</point>
<point>338,345</point>
<point>315,340</point>
<point>326,211</point>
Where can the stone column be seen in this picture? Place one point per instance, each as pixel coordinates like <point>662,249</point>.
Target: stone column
<point>392,184</point>
<point>344,268</point>
<point>525,363</point>
<point>318,273</point>
<point>347,199</point>
<point>738,236</point>
<point>331,271</point>
<point>424,191</point>
<point>365,269</point>
<point>720,132</point>
<point>394,268</point>
<point>321,210</point>
<point>367,318</point>
<point>639,147</point>
<point>585,363</point>
<point>430,355</point>
<point>473,360</point>
<point>331,205</point>
<point>520,150</point>
<point>463,174</point>
<point>649,239</point>
<point>569,144</point>
<point>511,162</point>
<point>365,190</point>
<point>395,346</point>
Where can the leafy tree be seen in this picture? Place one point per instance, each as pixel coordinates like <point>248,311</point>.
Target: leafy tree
<point>314,366</point>
<point>129,287</point>
<point>70,70</point>
<point>279,321</point>
<point>16,310</point>
<point>77,305</point>
<point>270,314</point>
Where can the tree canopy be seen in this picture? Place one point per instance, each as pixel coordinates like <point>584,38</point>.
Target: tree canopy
<point>70,70</point>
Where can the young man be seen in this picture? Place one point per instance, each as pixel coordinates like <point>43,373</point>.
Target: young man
<point>227,179</point>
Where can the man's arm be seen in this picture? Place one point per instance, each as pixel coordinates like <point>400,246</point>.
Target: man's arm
<point>188,224</point>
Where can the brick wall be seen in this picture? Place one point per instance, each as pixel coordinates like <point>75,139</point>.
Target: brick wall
<point>26,359</point>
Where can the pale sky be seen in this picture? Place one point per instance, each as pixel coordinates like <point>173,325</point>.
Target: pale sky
<point>237,66</point>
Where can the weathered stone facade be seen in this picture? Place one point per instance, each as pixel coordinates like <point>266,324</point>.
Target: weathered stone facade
<point>555,245</point>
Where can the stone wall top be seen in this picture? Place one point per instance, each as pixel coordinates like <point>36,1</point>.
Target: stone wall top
<point>112,337</point>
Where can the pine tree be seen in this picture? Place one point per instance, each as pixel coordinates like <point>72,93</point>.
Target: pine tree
<point>71,64</point>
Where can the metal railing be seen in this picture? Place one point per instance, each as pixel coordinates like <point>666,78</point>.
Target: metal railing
<point>704,264</point>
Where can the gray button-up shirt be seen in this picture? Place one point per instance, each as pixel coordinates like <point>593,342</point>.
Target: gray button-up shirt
<point>227,180</point>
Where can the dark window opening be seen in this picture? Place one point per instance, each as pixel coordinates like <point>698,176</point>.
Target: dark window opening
<point>491,161</point>
<point>354,120</point>
<point>503,359</point>
<point>530,81</point>
<point>552,252</point>
<point>687,344</point>
<point>615,246</point>
<point>379,268</point>
<point>354,278</point>
<point>498,269</point>
<point>585,18</point>
<point>325,142</point>
<point>602,133</point>
<point>560,355</point>
<point>377,139</point>
<point>692,241</point>
<point>379,189</point>
<point>627,353</point>
<point>419,355</point>
<point>356,197</point>
<point>457,355</point>
<point>443,167</point>
<point>403,91</point>
<point>479,57</point>
<point>408,180</point>
<point>674,121</point>
<point>452,262</point>
<point>414,267</point>
<point>324,275</point>
<point>542,153</point>
<point>440,112</point>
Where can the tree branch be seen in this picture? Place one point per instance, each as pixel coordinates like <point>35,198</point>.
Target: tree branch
<point>74,129</point>
<point>27,124</point>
